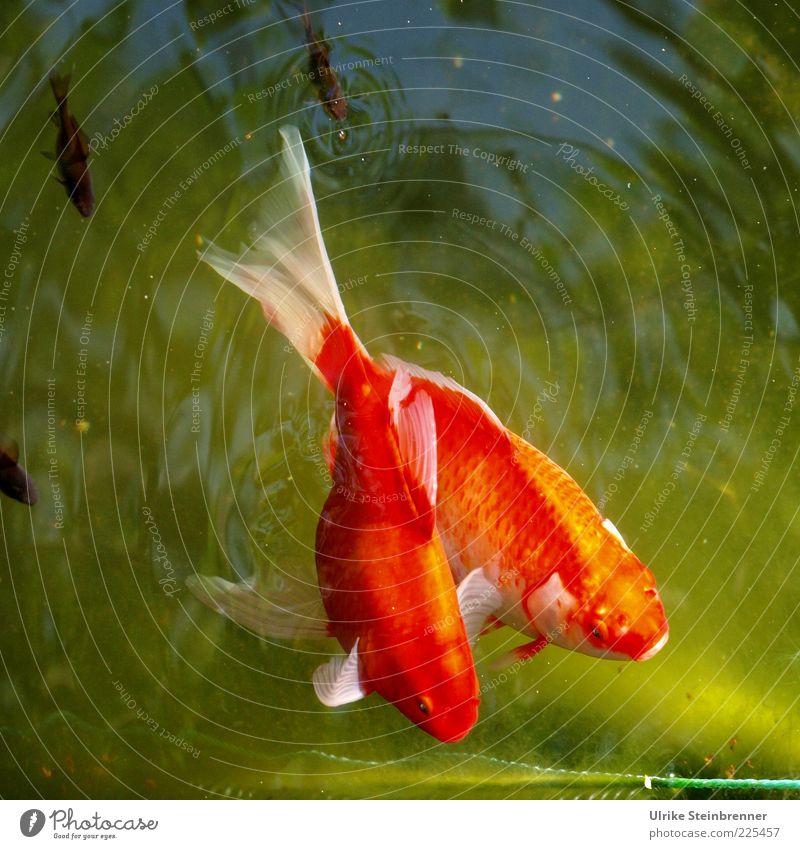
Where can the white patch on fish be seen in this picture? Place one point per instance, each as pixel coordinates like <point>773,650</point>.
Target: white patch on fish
<point>549,606</point>
<point>655,649</point>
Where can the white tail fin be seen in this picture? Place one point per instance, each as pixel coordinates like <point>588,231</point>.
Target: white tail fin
<point>286,268</point>
<point>294,611</point>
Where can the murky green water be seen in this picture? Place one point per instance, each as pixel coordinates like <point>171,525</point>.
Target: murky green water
<point>629,304</point>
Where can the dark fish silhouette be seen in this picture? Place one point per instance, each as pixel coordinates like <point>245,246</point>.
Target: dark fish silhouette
<point>72,150</point>
<point>322,74</point>
<point>15,482</point>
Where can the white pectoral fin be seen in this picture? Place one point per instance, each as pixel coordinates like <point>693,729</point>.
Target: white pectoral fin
<point>478,598</point>
<point>337,682</point>
<point>611,528</point>
<point>292,613</point>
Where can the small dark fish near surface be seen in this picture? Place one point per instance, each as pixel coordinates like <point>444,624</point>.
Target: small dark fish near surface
<point>322,74</point>
<point>72,150</point>
<point>15,482</point>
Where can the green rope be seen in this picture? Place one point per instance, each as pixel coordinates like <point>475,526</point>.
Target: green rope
<point>565,776</point>
<point>679,783</point>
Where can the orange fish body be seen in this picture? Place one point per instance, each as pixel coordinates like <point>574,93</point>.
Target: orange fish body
<point>565,573</point>
<point>382,572</point>
<point>385,582</point>
<point>72,150</point>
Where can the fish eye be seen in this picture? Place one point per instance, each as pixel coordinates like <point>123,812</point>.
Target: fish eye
<point>424,706</point>
<point>599,631</point>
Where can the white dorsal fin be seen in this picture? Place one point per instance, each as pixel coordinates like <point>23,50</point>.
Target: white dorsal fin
<point>478,597</point>
<point>438,379</point>
<point>297,612</point>
<point>337,681</point>
<point>401,387</point>
<point>416,434</point>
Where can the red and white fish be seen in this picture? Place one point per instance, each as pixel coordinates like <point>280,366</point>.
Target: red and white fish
<point>387,589</point>
<point>563,573</point>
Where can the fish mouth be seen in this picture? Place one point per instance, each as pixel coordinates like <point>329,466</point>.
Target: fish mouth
<point>457,722</point>
<point>655,647</point>
<point>455,737</point>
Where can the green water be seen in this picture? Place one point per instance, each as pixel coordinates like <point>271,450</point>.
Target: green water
<point>582,310</point>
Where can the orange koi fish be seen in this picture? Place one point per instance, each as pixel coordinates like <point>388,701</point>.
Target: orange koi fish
<point>386,586</point>
<point>322,74</point>
<point>72,150</point>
